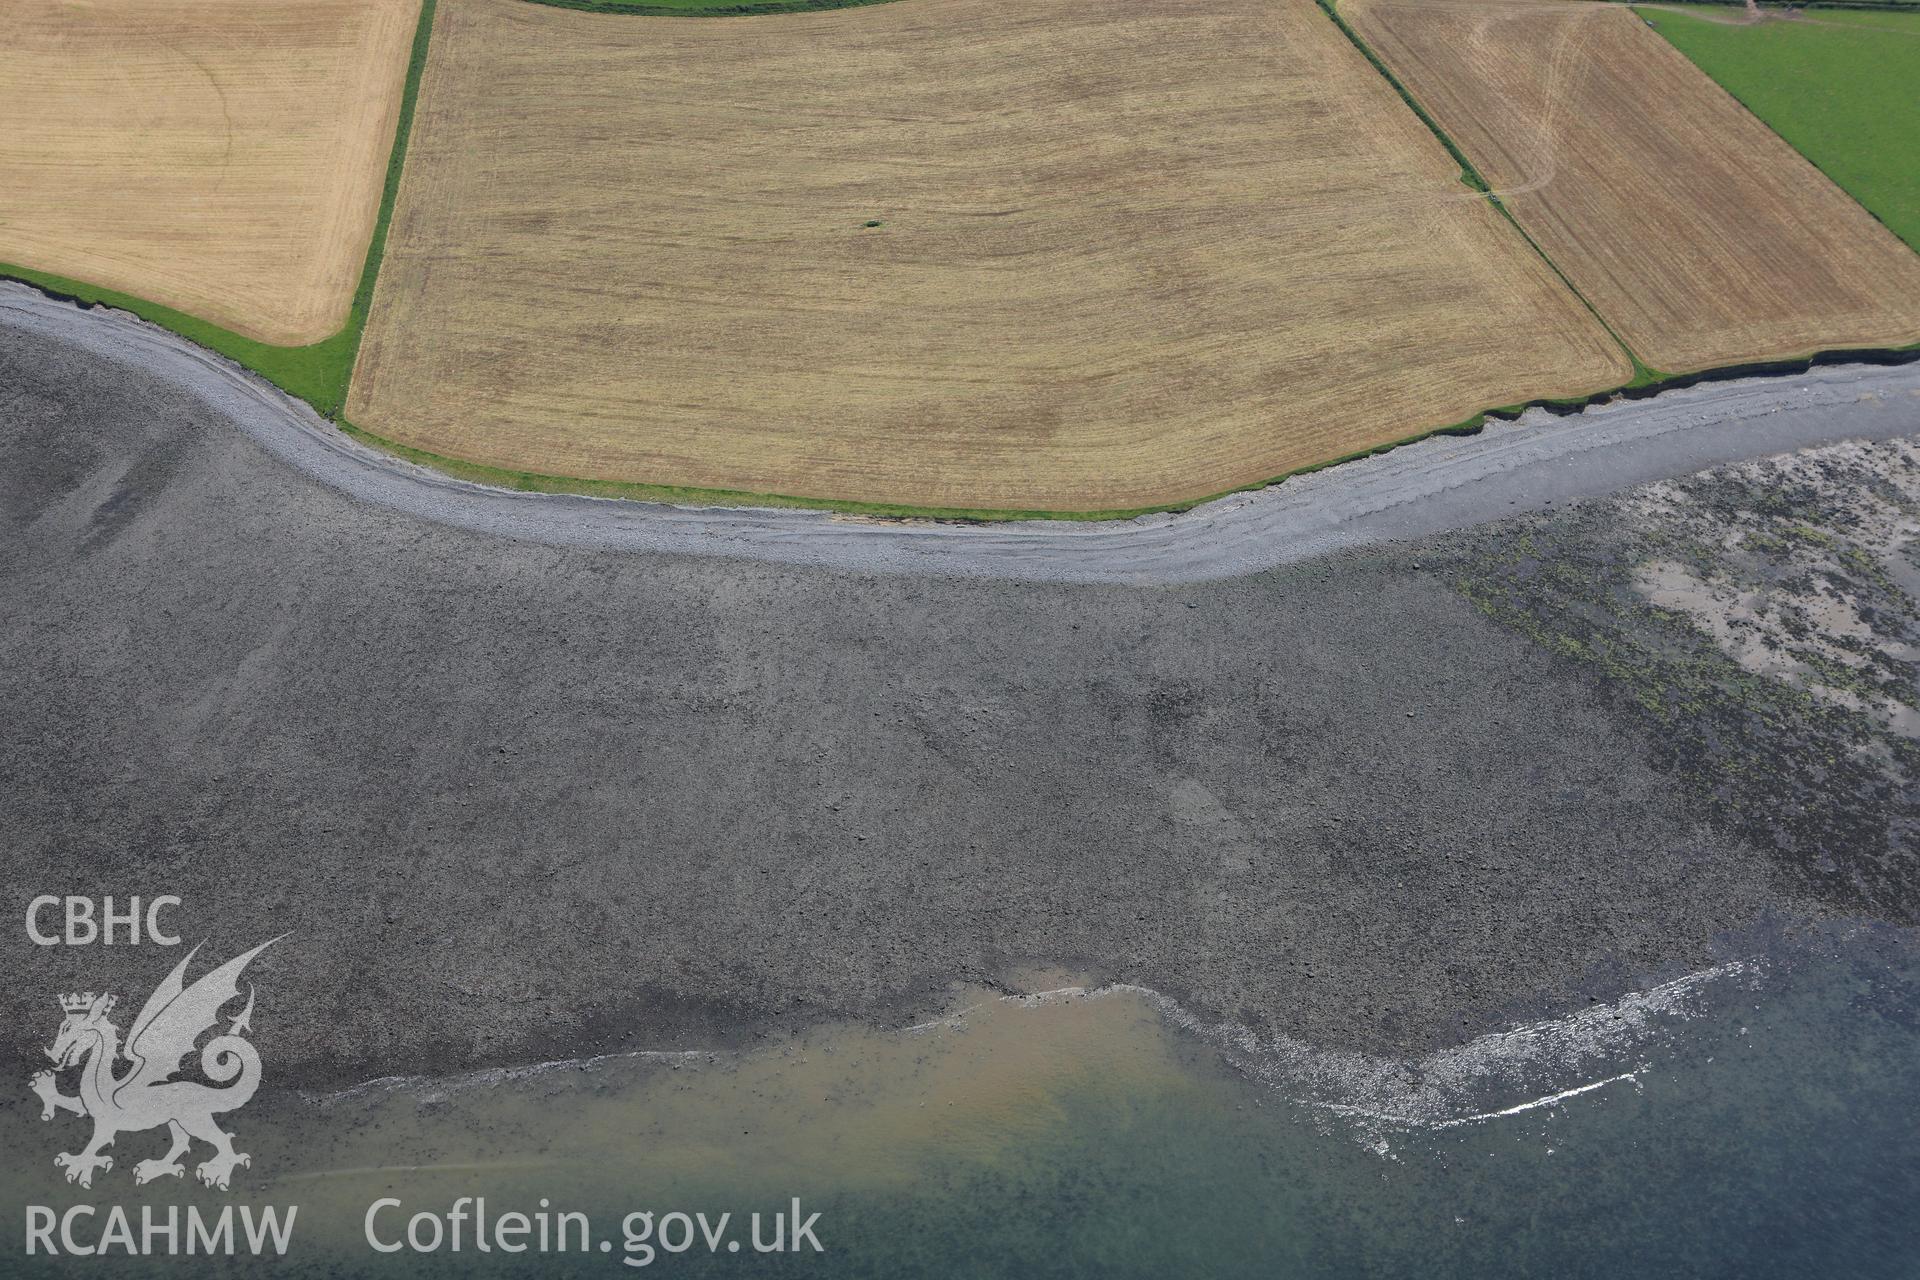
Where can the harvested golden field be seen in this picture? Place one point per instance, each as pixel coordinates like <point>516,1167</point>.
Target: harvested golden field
<point>1131,252</point>
<point>222,157</point>
<point>1701,236</point>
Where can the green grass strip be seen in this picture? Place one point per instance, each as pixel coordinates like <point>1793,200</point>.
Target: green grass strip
<point>682,495</point>
<point>317,373</point>
<point>1645,384</point>
<point>1468,174</point>
<point>389,195</point>
<point>1865,6</point>
<point>313,373</point>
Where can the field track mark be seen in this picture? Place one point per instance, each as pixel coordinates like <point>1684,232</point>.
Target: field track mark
<point>1544,128</point>
<point>1552,96</point>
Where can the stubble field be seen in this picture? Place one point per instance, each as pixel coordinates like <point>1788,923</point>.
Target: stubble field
<point>220,157</point>
<point>1128,254</point>
<point>1702,237</point>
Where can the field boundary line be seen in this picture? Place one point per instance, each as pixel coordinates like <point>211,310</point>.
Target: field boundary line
<point>1643,373</point>
<point>389,197</point>
<point>1762,120</point>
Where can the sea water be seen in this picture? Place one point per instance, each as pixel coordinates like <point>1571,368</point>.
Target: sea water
<point>1754,1119</point>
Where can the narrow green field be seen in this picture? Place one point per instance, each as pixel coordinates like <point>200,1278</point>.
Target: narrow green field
<point>1843,86</point>
<point>317,373</point>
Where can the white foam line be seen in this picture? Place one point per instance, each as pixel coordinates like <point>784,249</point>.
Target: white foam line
<point>943,1021</point>
<point>500,1075</point>
<point>471,1167</point>
<point>1028,999</point>
<point>1413,1122</point>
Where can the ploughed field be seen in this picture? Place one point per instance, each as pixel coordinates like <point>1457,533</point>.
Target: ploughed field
<point>1701,236</point>
<point>1128,254</point>
<point>221,157</point>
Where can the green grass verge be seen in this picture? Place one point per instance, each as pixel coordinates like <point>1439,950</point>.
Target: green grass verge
<point>681,495</point>
<point>1645,383</point>
<point>1844,91</point>
<point>314,373</point>
<point>318,373</point>
<point>1468,174</point>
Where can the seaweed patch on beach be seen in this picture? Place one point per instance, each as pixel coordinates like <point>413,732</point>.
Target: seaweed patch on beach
<point>1763,618</point>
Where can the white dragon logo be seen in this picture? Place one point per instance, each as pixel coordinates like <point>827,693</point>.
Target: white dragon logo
<point>147,1096</point>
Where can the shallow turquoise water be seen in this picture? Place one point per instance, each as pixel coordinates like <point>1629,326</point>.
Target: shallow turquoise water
<point>1775,1135</point>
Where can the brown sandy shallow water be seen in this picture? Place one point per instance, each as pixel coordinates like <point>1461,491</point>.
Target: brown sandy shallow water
<point>1090,1131</point>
